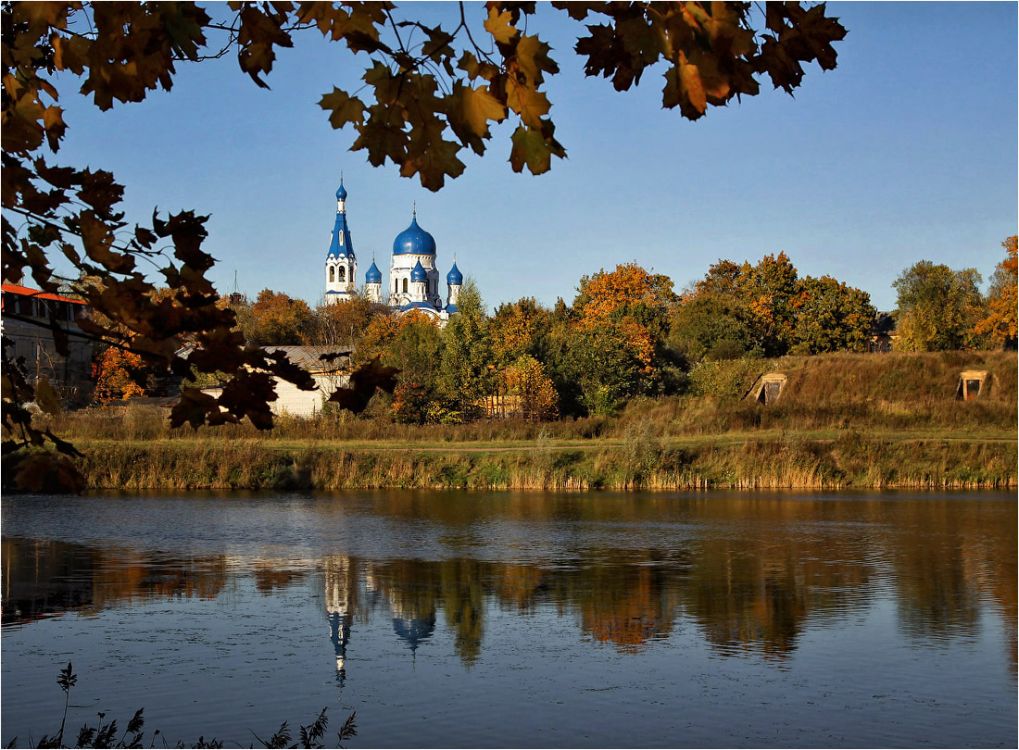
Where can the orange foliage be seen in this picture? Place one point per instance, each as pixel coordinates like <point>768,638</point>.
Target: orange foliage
<point>112,375</point>
<point>632,298</point>
<point>1003,300</point>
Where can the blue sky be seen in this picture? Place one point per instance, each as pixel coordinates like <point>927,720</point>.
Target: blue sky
<point>908,150</point>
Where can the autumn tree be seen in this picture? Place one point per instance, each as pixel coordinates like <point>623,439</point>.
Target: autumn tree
<point>118,376</point>
<point>279,319</point>
<point>766,309</point>
<point>938,308</point>
<point>427,95</point>
<point>342,323</point>
<point>999,325</point>
<point>525,379</point>
<point>518,329</point>
<point>634,302</point>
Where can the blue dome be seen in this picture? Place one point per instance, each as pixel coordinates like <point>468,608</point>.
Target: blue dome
<point>341,192</point>
<point>374,275</point>
<point>414,241</point>
<point>454,276</point>
<point>418,272</point>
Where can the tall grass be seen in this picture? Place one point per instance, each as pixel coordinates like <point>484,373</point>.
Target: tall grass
<point>639,463</point>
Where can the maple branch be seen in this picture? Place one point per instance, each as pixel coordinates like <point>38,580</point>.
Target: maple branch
<point>68,230</point>
<point>467,28</point>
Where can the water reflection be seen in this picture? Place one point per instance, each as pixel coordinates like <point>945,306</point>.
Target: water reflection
<point>751,575</point>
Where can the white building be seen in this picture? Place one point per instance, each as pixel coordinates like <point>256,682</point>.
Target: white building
<point>329,374</point>
<point>341,264</point>
<point>413,274</point>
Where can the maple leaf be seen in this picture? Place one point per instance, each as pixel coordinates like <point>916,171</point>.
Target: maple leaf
<point>499,25</point>
<point>469,111</point>
<point>534,147</point>
<point>343,108</point>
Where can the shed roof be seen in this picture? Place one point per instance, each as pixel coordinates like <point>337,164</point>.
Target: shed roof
<point>310,357</point>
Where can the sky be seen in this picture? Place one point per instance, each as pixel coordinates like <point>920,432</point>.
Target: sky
<point>906,151</point>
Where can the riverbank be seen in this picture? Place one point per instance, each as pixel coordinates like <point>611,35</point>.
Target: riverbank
<point>799,461</point>
<point>841,421</point>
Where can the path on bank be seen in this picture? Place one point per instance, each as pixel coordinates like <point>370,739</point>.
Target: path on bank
<point>529,446</point>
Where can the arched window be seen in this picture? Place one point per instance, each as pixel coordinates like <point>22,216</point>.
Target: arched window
<point>405,286</point>
<point>332,273</point>
<point>343,273</point>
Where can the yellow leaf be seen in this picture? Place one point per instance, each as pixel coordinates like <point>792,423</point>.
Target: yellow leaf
<point>531,105</point>
<point>690,78</point>
<point>478,106</point>
<point>498,25</point>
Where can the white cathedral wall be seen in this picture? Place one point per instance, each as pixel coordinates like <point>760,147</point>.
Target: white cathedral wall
<point>400,268</point>
<point>346,287</point>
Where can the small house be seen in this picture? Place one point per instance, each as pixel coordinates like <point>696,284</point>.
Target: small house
<point>329,373</point>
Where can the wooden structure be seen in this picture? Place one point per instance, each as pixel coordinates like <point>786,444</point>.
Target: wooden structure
<point>768,388</point>
<point>972,384</point>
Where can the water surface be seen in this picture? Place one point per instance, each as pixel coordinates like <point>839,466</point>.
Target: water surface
<point>502,619</point>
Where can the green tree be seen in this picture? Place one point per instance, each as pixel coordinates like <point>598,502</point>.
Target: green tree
<point>831,316</point>
<point>608,369</point>
<point>416,351</point>
<point>467,359</point>
<point>711,325</point>
<point>938,308</point>
<point>757,304</point>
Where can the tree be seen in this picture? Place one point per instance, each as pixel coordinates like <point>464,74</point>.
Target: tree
<point>831,316</point>
<point>517,329</point>
<point>117,374</point>
<point>278,319</point>
<point>711,325</point>
<point>938,308</point>
<point>343,323</point>
<point>635,302</point>
<point>416,351</point>
<point>466,374</point>
<point>526,379</point>
<point>426,102</point>
<point>999,325</point>
<point>609,370</point>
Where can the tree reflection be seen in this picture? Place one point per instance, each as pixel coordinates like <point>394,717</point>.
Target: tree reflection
<point>751,573</point>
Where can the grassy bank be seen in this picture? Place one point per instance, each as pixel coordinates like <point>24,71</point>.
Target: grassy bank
<point>842,421</point>
<point>641,462</point>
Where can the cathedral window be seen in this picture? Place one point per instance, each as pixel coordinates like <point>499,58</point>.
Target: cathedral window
<point>343,273</point>
<point>332,273</point>
<point>405,286</point>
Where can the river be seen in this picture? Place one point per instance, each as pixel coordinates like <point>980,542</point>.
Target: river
<point>519,619</point>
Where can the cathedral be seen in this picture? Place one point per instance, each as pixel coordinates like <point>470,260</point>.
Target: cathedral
<point>413,276</point>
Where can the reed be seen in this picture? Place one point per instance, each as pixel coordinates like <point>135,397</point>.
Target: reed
<point>641,462</point>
